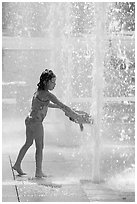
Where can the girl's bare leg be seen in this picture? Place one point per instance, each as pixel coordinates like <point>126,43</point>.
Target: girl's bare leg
<point>39,151</point>
<point>22,152</point>
<point>38,158</point>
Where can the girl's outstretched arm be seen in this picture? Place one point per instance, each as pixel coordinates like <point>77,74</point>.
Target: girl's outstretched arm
<point>53,105</point>
<point>69,112</point>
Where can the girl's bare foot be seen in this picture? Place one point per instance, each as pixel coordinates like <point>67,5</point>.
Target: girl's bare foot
<point>44,175</point>
<point>19,170</point>
<point>40,175</point>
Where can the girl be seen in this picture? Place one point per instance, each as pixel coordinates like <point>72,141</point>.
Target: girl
<point>43,99</point>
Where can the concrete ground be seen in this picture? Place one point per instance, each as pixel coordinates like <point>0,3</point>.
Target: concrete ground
<point>69,170</point>
<point>64,183</point>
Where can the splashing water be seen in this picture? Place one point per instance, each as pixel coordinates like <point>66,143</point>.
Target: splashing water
<point>91,48</point>
<point>124,181</point>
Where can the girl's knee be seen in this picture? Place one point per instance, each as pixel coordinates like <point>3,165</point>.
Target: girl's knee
<point>28,143</point>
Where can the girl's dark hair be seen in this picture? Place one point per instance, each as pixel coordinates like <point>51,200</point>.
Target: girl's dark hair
<point>46,76</point>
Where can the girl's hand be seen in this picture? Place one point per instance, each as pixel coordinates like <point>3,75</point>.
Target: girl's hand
<point>85,119</point>
<point>80,125</point>
<point>82,117</point>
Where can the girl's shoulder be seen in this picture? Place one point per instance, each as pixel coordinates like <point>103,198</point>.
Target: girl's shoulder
<point>42,95</point>
<point>50,95</point>
<point>47,95</point>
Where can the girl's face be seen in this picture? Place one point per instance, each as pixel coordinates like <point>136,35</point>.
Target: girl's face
<point>51,84</point>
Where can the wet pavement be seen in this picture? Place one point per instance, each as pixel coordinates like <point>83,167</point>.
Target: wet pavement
<point>66,181</point>
<point>68,165</point>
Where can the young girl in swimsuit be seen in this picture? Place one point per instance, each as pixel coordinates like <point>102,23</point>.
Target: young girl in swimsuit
<point>43,99</point>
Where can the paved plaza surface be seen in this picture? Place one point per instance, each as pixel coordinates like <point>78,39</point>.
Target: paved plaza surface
<point>69,171</point>
<point>64,183</point>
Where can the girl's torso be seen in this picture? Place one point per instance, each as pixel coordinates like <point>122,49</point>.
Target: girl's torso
<point>39,107</point>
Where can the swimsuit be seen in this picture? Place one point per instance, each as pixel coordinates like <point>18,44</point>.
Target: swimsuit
<point>38,110</point>
<point>36,116</point>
